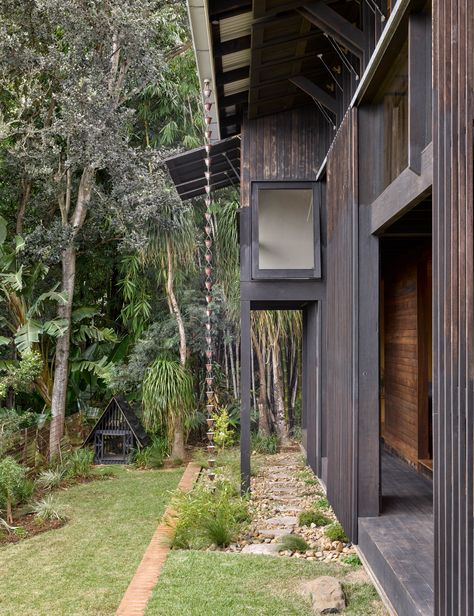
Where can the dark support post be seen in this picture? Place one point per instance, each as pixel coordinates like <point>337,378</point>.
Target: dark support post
<point>419,80</point>
<point>245,385</point>
<point>311,386</point>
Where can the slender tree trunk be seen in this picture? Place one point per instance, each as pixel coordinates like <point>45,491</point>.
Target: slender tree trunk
<point>177,450</point>
<point>237,365</point>
<point>25,195</point>
<point>280,423</point>
<point>232,370</point>
<point>226,362</point>
<point>254,389</point>
<point>264,425</point>
<point>9,511</point>
<point>61,368</point>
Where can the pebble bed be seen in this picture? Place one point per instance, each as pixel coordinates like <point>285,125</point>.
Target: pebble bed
<point>281,490</point>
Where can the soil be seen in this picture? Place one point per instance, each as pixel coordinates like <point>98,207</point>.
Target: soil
<point>30,526</point>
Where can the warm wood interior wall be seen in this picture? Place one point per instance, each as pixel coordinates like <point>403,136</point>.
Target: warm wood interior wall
<point>341,322</point>
<point>283,147</point>
<point>453,118</point>
<point>406,338</point>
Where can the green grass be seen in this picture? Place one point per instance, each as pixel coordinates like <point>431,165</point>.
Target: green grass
<point>215,583</point>
<point>84,568</point>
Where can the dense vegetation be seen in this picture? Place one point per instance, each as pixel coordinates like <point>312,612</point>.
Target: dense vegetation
<point>101,290</point>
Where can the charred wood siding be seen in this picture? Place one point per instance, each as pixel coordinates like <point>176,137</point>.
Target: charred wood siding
<point>453,115</point>
<point>341,323</point>
<point>287,146</point>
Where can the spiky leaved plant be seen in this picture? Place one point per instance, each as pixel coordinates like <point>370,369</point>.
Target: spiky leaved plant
<point>168,398</point>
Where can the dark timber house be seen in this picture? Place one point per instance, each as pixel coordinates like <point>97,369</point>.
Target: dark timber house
<point>349,124</point>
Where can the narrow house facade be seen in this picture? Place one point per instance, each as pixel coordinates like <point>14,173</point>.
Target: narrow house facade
<point>349,125</point>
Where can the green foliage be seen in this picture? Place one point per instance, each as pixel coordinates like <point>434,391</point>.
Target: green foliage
<point>294,543</point>
<point>209,515</point>
<point>151,456</point>
<point>50,479</point>
<point>335,532</point>
<point>49,509</point>
<point>78,464</point>
<point>351,559</point>
<point>223,432</point>
<point>306,518</point>
<point>168,394</point>
<point>322,503</point>
<point>20,376</point>
<point>12,484</point>
<point>265,443</point>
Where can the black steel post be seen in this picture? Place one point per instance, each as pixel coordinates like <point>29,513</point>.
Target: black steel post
<point>245,384</point>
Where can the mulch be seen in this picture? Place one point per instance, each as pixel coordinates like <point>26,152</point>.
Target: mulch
<point>30,526</point>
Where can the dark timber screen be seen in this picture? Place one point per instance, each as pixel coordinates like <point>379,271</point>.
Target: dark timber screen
<point>341,320</point>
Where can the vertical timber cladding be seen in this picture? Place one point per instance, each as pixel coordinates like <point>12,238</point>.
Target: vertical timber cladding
<point>453,396</point>
<point>287,146</point>
<point>341,322</point>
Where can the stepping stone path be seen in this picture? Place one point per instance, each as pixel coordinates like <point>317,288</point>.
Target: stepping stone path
<point>282,489</point>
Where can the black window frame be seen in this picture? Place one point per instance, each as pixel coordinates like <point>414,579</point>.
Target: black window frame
<point>286,274</point>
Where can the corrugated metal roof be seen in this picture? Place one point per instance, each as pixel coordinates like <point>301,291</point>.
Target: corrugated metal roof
<point>234,87</point>
<point>234,60</point>
<point>236,26</point>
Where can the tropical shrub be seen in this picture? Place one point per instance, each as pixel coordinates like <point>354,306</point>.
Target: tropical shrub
<point>152,456</point>
<point>265,443</point>
<point>12,485</point>
<point>335,532</point>
<point>48,509</point>
<point>168,399</point>
<point>306,518</point>
<point>223,432</point>
<point>209,515</point>
<point>293,543</point>
<point>50,479</point>
<point>78,463</point>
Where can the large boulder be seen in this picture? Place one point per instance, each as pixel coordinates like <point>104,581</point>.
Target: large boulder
<point>326,595</point>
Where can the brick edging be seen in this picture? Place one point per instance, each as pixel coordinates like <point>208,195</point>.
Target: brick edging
<point>138,593</point>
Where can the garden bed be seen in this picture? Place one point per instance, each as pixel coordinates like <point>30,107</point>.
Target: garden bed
<point>28,526</point>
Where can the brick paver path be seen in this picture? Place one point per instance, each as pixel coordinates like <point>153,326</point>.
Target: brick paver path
<point>138,593</point>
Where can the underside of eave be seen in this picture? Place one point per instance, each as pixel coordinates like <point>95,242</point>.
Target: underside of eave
<point>202,43</point>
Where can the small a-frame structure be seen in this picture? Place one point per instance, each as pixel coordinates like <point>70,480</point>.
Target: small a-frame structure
<point>116,434</point>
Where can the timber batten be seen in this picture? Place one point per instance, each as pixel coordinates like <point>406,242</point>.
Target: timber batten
<point>453,117</point>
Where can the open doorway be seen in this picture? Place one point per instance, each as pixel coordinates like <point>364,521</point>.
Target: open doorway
<point>406,339</point>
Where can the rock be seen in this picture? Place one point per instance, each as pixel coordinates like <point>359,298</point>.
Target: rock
<point>283,521</point>
<point>267,549</point>
<point>326,595</point>
<point>273,532</point>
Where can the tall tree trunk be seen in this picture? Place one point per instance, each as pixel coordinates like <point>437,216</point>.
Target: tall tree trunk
<point>68,261</point>
<point>232,370</point>
<point>280,423</point>
<point>177,450</point>
<point>264,424</point>
<point>61,366</point>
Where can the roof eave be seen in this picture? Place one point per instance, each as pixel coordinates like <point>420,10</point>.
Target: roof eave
<point>202,43</point>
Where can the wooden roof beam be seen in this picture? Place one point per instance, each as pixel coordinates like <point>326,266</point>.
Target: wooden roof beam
<point>317,93</point>
<point>333,24</point>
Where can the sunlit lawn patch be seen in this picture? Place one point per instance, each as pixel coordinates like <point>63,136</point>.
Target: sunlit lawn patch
<point>84,568</point>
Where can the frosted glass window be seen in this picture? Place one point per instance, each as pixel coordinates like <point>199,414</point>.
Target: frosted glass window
<point>285,229</point>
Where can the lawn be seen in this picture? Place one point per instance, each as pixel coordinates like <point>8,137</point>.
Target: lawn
<point>84,568</point>
<point>209,583</point>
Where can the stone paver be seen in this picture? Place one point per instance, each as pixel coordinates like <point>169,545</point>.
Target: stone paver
<point>282,488</point>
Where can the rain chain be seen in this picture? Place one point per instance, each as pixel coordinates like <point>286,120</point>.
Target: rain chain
<point>211,448</point>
